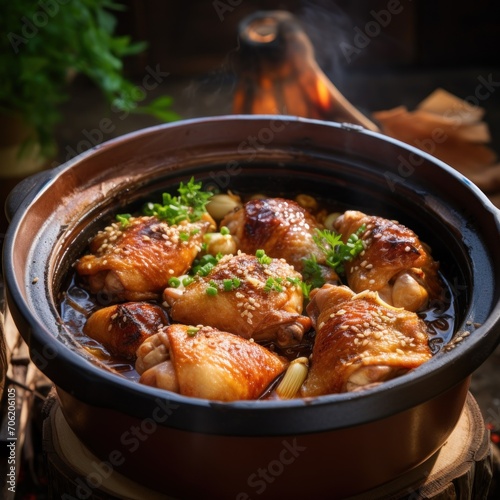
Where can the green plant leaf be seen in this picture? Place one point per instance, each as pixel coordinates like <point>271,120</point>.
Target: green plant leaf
<point>79,37</point>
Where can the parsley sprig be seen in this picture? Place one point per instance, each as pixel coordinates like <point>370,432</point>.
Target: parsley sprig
<point>189,205</point>
<point>336,252</point>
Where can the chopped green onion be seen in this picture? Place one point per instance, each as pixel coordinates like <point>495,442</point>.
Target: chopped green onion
<point>262,257</point>
<point>205,270</point>
<point>174,282</point>
<point>123,219</point>
<point>187,280</point>
<point>224,231</point>
<point>211,291</point>
<point>192,330</point>
<point>273,284</point>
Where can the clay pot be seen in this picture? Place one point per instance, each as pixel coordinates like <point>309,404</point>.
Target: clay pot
<point>328,447</point>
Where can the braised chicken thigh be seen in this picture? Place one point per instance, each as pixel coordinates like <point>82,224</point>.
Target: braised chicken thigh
<point>121,328</point>
<point>360,341</point>
<point>395,263</point>
<point>136,260</point>
<point>258,298</point>
<point>204,362</point>
<point>282,228</point>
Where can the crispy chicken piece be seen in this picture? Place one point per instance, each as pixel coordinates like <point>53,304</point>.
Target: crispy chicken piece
<point>207,363</point>
<point>360,341</point>
<point>395,263</point>
<point>280,227</point>
<point>121,328</point>
<point>244,296</point>
<point>135,262</point>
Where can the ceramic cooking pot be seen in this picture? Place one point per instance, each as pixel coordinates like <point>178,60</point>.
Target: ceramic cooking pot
<point>332,446</point>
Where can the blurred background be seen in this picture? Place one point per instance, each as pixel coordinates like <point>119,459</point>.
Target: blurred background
<point>425,45</point>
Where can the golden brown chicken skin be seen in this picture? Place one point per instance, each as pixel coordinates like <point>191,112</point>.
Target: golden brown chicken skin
<point>282,228</point>
<point>135,262</point>
<point>207,363</point>
<point>395,263</point>
<point>360,341</point>
<point>264,303</point>
<point>122,328</point>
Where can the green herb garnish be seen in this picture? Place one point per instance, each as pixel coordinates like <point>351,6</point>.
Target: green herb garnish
<point>123,219</point>
<point>336,252</point>
<point>189,205</point>
<point>231,284</point>
<point>204,264</point>
<point>224,231</point>
<point>187,280</point>
<point>192,331</point>
<point>312,273</point>
<point>174,282</point>
<point>262,257</point>
<point>273,284</point>
<point>305,288</point>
